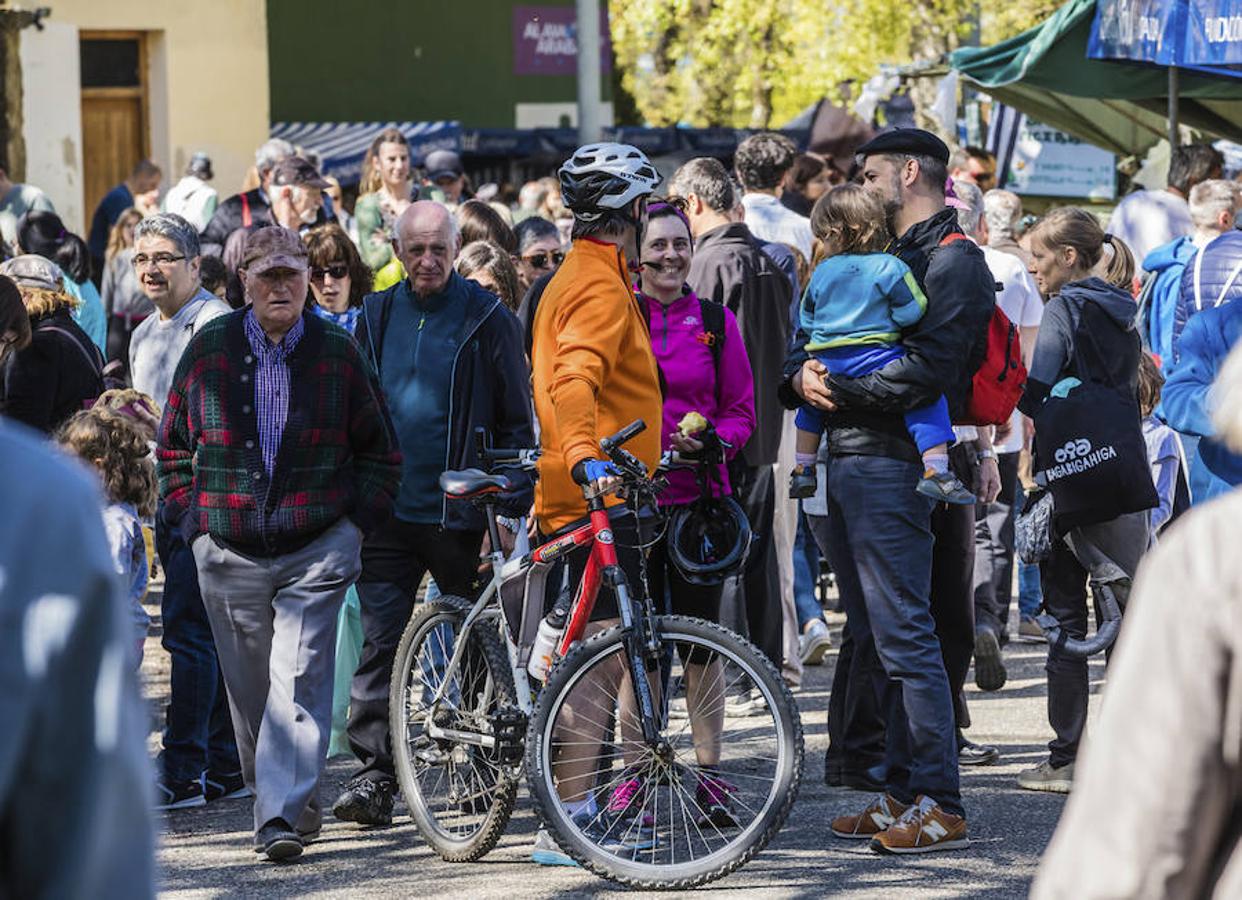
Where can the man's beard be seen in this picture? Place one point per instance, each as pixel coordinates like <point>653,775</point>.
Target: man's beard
<point>893,204</point>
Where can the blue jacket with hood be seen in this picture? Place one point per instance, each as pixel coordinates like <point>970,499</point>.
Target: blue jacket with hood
<point>1205,343</point>
<point>1165,265</point>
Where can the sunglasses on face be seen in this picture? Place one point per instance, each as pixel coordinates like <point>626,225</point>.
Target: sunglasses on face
<point>541,260</point>
<point>336,270</point>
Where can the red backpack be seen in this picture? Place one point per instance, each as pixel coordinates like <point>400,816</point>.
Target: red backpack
<point>998,382</point>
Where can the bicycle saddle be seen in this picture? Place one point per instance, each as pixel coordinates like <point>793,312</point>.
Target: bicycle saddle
<point>473,483</point>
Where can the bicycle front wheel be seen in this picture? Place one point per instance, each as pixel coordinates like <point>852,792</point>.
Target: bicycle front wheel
<point>449,763</point>
<point>695,804</point>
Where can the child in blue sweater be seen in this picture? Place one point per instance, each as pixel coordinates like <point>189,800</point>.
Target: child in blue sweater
<point>112,444</point>
<point>857,302</point>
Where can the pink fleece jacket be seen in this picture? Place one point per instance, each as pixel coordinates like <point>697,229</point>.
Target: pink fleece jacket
<point>677,338</point>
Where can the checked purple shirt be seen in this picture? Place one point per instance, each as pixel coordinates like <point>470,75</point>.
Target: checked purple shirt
<point>271,384</point>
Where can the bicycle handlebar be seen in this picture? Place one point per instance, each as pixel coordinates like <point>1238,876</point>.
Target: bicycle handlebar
<point>522,458</point>
<point>609,444</point>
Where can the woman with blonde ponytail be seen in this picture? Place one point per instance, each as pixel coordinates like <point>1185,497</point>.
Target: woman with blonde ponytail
<point>1087,341</point>
<point>1116,265</point>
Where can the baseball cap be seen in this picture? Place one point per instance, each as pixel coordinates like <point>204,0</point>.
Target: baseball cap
<point>295,170</point>
<point>31,271</point>
<point>443,164</point>
<point>274,247</point>
<point>914,141</point>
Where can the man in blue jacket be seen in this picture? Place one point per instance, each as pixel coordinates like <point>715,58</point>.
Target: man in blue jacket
<point>1213,210</point>
<point>451,359</point>
<point>1205,343</point>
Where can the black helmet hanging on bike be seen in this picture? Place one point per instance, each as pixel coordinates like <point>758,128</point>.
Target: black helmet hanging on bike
<point>605,176</point>
<point>708,539</point>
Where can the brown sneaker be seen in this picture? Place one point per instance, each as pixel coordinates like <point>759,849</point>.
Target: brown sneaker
<point>882,812</point>
<point>923,828</point>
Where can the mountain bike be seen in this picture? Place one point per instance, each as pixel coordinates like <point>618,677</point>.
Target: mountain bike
<point>626,790</point>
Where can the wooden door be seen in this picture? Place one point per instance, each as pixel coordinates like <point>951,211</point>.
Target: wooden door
<point>114,111</point>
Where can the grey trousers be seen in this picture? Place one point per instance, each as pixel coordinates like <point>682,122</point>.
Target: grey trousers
<point>994,548</point>
<point>274,622</point>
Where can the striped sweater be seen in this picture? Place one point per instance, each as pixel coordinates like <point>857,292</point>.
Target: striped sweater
<point>338,455</point>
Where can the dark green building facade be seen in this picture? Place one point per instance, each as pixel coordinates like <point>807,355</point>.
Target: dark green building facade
<point>413,60</point>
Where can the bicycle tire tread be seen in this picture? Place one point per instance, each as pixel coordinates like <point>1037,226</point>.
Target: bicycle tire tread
<point>486,839</point>
<point>777,816</point>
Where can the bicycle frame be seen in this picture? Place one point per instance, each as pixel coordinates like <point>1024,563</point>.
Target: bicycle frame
<point>602,569</point>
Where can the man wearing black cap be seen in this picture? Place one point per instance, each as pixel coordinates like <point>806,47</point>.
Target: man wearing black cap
<point>295,199</point>
<point>297,194</point>
<point>881,536</point>
<point>445,171</point>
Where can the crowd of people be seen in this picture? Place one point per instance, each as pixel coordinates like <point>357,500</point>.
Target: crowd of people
<point>857,344</point>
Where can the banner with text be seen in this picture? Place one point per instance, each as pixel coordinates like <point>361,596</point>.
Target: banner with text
<point>1050,163</point>
<point>545,40</point>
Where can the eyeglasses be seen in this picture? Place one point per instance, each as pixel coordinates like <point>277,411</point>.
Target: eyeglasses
<point>163,260</point>
<point>540,260</point>
<point>336,270</point>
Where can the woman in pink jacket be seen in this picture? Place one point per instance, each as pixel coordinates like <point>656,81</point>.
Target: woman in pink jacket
<point>718,385</point>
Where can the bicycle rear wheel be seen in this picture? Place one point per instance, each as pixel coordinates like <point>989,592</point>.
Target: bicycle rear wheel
<point>460,793</point>
<point>691,809</point>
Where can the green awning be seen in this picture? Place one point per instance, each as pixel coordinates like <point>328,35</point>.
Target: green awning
<point>1121,106</point>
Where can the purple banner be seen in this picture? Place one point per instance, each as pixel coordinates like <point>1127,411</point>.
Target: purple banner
<point>545,40</point>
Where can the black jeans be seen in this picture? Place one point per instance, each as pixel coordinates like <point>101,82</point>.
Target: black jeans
<point>394,560</point>
<point>198,731</point>
<point>994,546</point>
<point>952,601</point>
<point>751,605</point>
<point>855,719</point>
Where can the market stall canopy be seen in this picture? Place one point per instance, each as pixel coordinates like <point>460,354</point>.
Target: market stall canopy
<point>1198,34</point>
<point>342,145</point>
<point>1120,106</point>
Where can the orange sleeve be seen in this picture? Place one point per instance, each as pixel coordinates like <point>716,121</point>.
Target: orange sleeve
<point>589,333</point>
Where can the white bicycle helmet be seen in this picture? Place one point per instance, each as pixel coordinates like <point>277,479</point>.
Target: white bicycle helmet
<point>600,177</point>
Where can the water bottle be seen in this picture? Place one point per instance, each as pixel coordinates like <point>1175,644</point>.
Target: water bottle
<point>543,654</point>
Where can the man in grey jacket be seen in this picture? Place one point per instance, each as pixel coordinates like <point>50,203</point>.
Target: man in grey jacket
<point>74,725</point>
<point>730,267</point>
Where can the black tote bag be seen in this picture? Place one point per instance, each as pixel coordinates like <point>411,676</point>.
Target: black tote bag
<point>1089,444</point>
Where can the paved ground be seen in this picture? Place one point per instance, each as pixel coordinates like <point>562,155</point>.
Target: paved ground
<point>207,852</point>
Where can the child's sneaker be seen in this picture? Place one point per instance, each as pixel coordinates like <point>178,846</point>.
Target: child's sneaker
<point>802,482</point>
<point>944,487</point>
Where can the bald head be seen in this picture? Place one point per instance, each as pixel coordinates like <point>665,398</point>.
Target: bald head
<point>426,241</point>
<point>425,217</point>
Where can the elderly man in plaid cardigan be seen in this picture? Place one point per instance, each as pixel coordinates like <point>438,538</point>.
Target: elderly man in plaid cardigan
<point>277,454</point>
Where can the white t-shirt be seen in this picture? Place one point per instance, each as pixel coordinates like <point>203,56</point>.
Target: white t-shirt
<point>1019,300</point>
<point>770,220</point>
<point>157,343</point>
<point>1146,220</point>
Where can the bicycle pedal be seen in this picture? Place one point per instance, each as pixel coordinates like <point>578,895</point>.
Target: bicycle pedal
<point>509,729</point>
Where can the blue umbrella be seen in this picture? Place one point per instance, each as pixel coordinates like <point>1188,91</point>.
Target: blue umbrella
<point>1190,34</point>
<point>1201,35</point>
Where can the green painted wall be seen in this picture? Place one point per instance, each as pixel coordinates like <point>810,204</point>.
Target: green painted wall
<point>402,60</point>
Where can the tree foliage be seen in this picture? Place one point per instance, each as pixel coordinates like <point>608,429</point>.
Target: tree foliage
<point>758,63</point>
